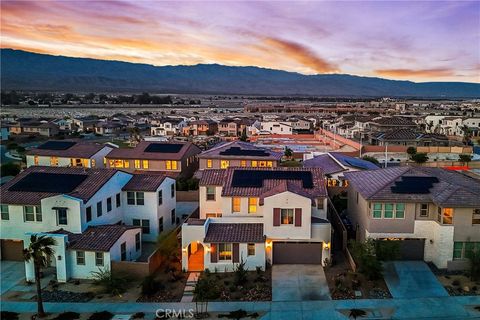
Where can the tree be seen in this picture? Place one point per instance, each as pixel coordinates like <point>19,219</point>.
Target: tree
<point>420,157</point>
<point>474,258</point>
<point>467,134</point>
<point>204,291</point>
<point>371,159</point>
<point>39,252</point>
<point>288,152</point>
<point>244,137</point>
<point>10,169</point>
<point>465,158</point>
<point>411,151</point>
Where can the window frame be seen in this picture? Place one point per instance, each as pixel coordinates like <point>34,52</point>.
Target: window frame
<point>109,204</point>
<point>209,163</point>
<point>118,200</point>
<point>252,207</point>
<point>143,223</point>
<point>173,216</point>
<point>160,197</point>
<point>139,198</point>
<point>476,217</point>
<point>225,252</point>
<point>36,214</point>
<point>172,190</point>
<point>236,207</point>
<point>80,257</point>
<point>424,212</point>
<point>138,241</point>
<point>378,210</point>
<point>250,249</point>
<point>5,214</point>
<point>210,196</point>
<point>131,198</point>
<point>123,251</point>
<point>97,258</point>
<point>290,214</point>
<point>224,164</point>
<point>88,214</point>
<point>60,218</point>
<point>99,208</point>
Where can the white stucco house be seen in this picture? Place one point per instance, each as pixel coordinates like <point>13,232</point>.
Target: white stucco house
<point>91,212</point>
<point>277,127</point>
<point>258,216</point>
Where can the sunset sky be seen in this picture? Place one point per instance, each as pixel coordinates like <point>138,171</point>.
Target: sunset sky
<point>419,41</point>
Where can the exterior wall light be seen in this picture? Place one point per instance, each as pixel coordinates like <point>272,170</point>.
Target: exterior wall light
<point>326,246</point>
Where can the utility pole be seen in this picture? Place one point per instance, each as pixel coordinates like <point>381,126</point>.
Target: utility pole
<point>386,154</point>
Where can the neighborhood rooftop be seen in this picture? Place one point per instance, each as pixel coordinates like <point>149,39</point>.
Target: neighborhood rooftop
<point>67,148</point>
<point>235,232</point>
<point>152,151</point>
<point>237,149</point>
<point>98,238</point>
<point>144,182</point>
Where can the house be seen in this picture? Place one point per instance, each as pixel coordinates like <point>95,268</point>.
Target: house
<point>34,127</point>
<point>335,164</point>
<point>229,128</point>
<point>238,154</point>
<point>167,126</point>
<point>86,124</point>
<point>68,153</point>
<point>277,127</point>
<point>200,128</point>
<point>109,127</point>
<point>409,137</point>
<point>433,213</point>
<point>176,159</point>
<point>258,216</point>
<point>95,215</point>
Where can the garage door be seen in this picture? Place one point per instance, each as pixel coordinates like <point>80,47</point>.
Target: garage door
<point>12,250</point>
<point>297,253</point>
<point>411,249</point>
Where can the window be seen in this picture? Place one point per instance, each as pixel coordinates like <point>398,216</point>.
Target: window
<point>286,216</point>
<point>262,164</point>
<point>88,213</point>
<point>254,163</point>
<point>160,197</point>
<point>99,209</point>
<point>35,160</point>
<point>99,259</point>
<point>173,216</point>
<point>54,161</point>
<point>171,165</point>
<point>400,210</point>
<point>210,193</point>
<point>135,198</point>
<point>224,251</point>
<point>123,251</point>
<point>447,216</point>
<point>131,198</point>
<point>224,164</point>
<point>463,250</point>
<point>356,197</point>
<point>320,204</point>
<point>213,215</point>
<point>138,242</point>
<point>4,212</point>
<point>424,210</point>
<point>140,198</point>
<point>144,223</point>
<point>160,225</point>
<point>377,210</point>
<point>236,204</point>
<point>269,164</point>
<point>80,257</point>
<point>252,205</point>
<point>172,189</point>
<point>251,249</point>
<point>475,216</point>
<point>118,201</point>
<point>388,213</point>
<point>62,216</point>
<point>93,163</point>
<point>209,163</point>
<point>109,204</point>
<point>32,213</point>
<point>145,164</point>
<point>136,164</point>
<point>243,163</point>
<point>126,163</point>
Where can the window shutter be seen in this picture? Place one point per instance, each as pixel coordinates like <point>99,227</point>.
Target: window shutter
<point>236,252</point>
<point>298,217</point>
<point>213,253</point>
<point>276,217</point>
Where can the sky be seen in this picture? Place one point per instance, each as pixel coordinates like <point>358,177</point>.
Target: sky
<point>418,41</point>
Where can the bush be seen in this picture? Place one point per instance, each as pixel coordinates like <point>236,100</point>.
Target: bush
<point>150,285</point>
<point>138,315</point>
<point>387,250</point>
<point>168,245</point>
<point>7,315</point>
<point>371,159</point>
<point>10,169</point>
<point>187,184</point>
<point>365,256</point>
<point>110,283</point>
<point>240,274</point>
<point>67,316</point>
<point>102,315</point>
<point>420,157</point>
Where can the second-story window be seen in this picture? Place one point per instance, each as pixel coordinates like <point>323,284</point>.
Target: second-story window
<point>160,197</point>
<point>118,201</point>
<point>252,205</point>
<point>137,164</point>
<point>476,216</point>
<point>424,210</point>
<point>286,216</point>
<point>62,218</point>
<point>243,163</point>
<point>109,204</point>
<point>32,213</point>
<point>35,160</point>
<point>54,161</point>
<point>145,164</point>
<point>224,164</point>
<point>99,209</point>
<point>172,190</point>
<point>88,213</point>
<point>135,198</point>
<point>131,198</point>
<point>236,204</point>
<point>5,215</point>
<point>210,193</point>
<point>209,163</point>
<point>254,163</point>
<point>445,215</point>
<point>171,165</point>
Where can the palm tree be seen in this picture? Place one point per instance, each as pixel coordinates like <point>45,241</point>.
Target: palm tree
<point>40,251</point>
<point>357,313</point>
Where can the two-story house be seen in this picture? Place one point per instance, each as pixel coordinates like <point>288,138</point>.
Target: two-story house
<point>68,153</point>
<point>433,213</point>
<point>84,209</point>
<point>201,128</point>
<point>228,127</point>
<point>167,126</point>
<point>277,127</point>
<point>258,216</point>
<point>175,159</point>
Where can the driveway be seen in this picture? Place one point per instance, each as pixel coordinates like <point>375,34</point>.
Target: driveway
<point>12,273</point>
<point>412,279</point>
<point>299,282</point>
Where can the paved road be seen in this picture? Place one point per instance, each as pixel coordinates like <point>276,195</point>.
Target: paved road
<point>299,282</point>
<point>412,279</point>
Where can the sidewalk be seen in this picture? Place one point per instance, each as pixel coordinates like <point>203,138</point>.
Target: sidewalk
<point>419,308</point>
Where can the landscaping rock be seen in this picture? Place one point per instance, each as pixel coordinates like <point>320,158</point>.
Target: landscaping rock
<point>66,296</point>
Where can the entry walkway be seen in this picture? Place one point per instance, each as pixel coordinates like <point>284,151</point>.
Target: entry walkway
<point>299,282</point>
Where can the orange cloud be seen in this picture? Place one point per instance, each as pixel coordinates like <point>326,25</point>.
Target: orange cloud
<point>301,54</point>
<point>405,73</point>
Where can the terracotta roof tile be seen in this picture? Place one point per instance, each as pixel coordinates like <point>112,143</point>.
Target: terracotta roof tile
<point>144,182</point>
<point>235,233</point>
<point>81,149</point>
<point>99,238</point>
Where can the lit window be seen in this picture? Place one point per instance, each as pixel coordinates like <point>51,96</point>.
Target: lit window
<point>377,210</point>
<point>126,163</point>
<point>81,257</point>
<point>99,259</point>
<point>93,163</point>
<point>111,163</point>
<point>85,163</point>
<point>254,163</point>
<point>209,163</point>
<point>236,204</point>
<point>269,164</point>
<point>35,160</point>
<point>4,212</point>
<point>171,165</point>
<point>447,216</point>
<point>262,164</point>
<point>243,163</point>
<point>224,164</point>
<point>251,249</point>
<point>210,193</point>
<point>145,164</point>
<point>117,163</point>
<point>252,205</point>
<point>476,216</point>
<point>137,164</point>
<point>53,161</point>
<point>224,251</point>
<point>286,216</point>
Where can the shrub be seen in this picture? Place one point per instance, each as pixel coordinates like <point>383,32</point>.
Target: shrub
<point>240,274</point>
<point>371,159</point>
<point>102,315</point>
<point>420,157</point>
<point>386,250</point>
<point>67,316</point>
<point>150,285</point>
<point>10,169</point>
<point>110,283</point>
<point>8,315</point>
<point>138,315</point>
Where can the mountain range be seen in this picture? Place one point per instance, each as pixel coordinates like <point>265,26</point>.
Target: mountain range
<point>22,70</point>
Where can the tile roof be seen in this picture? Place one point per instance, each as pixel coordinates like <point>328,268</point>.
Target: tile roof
<point>96,178</point>
<point>212,177</point>
<point>215,152</point>
<point>235,233</point>
<point>453,189</point>
<point>394,121</point>
<point>144,182</point>
<point>399,134</point>
<point>81,149</point>
<point>325,162</point>
<point>98,238</point>
<point>139,152</point>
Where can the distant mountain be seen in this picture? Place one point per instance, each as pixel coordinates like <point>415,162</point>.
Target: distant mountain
<point>21,70</point>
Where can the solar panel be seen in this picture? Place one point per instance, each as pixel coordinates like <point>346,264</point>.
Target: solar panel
<point>49,182</point>
<point>237,151</point>
<point>414,185</point>
<point>57,145</point>
<point>362,164</point>
<point>164,147</point>
<point>254,179</point>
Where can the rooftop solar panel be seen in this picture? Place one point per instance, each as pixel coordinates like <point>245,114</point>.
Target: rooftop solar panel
<point>414,185</point>
<point>362,164</point>
<point>57,145</point>
<point>49,182</point>
<point>237,151</point>
<point>254,179</point>
<point>164,147</point>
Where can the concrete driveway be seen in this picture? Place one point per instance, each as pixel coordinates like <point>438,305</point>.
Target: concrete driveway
<point>12,273</point>
<point>412,279</point>
<point>299,282</point>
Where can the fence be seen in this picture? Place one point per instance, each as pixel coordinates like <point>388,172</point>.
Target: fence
<point>350,260</point>
<point>322,134</point>
<point>337,224</point>
<point>137,269</point>
<point>192,195</point>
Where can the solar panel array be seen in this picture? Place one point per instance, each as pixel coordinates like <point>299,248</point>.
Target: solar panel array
<point>49,182</point>
<point>57,145</point>
<point>255,179</point>
<point>414,185</point>
<point>164,147</point>
<point>237,151</point>
<point>362,164</point>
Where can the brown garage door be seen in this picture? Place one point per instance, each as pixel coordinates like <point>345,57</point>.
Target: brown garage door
<point>12,250</point>
<point>297,253</point>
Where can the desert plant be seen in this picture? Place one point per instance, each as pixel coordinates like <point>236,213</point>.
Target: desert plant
<point>366,257</point>
<point>411,151</point>
<point>102,315</point>
<point>356,313</point>
<point>150,285</point>
<point>420,157</point>
<point>204,290</point>
<point>464,158</point>
<point>240,273</point>
<point>39,251</point>
<point>111,284</point>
